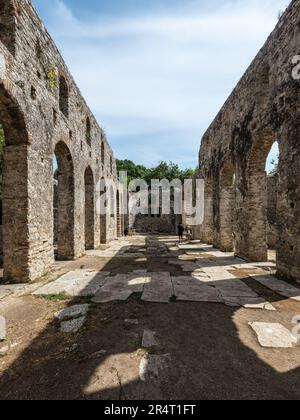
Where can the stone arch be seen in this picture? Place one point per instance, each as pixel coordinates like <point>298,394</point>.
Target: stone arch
<point>252,242</point>
<point>103,213</point>
<point>89,208</point>
<point>64,96</point>
<point>226,206</point>
<point>65,203</point>
<point>8,24</point>
<point>15,196</point>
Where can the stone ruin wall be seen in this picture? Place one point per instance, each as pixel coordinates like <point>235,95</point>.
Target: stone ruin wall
<point>262,109</point>
<point>272,235</point>
<point>33,80</point>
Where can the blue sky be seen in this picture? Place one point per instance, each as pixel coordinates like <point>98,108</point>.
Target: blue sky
<point>156,72</point>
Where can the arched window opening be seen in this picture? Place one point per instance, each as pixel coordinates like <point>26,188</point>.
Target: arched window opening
<point>272,169</point>
<point>63,202</point>
<point>8,25</point>
<point>14,191</point>
<point>111,165</point>
<point>88,132</point>
<point>102,152</point>
<point>64,96</point>
<point>259,235</point>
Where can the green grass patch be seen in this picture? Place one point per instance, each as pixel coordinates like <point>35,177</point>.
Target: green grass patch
<point>56,297</point>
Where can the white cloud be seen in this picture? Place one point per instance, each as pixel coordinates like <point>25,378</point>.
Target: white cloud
<point>162,73</point>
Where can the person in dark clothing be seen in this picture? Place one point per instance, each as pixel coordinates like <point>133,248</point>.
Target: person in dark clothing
<point>126,232</point>
<point>180,232</point>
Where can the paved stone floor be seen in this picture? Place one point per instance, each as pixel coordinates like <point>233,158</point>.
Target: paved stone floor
<point>147,317</point>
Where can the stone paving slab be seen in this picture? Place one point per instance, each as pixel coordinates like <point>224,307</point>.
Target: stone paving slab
<point>250,303</point>
<point>198,293</point>
<point>75,283</point>
<point>9,289</point>
<point>160,289</point>
<point>218,274</point>
<point>235,288</point>
<point>111,296</point>
<point>272,335</point>
<point>186,281</point>
<point>278,286</point>
<point>133,282</point>
<point>149,339</point>
<point>151,366</point>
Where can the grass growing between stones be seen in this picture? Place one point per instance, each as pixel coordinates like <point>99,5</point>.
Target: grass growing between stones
<point>56,297</point>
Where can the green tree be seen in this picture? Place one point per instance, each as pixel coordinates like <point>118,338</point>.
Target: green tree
<point>274,167</point>
<point>163,170</point>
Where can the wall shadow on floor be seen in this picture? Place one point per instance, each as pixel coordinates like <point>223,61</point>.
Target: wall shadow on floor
<point>208,359</point>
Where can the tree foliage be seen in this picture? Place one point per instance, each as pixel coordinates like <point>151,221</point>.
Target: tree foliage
<point>163,170</point>
<point>274,169</point>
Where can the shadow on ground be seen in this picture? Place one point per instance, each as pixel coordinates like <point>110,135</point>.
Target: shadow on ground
<point>212,352</point>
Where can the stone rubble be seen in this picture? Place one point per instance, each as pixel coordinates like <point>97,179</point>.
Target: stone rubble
<point>272,335</point>
<point>149,339</point>
<point>151,366</point>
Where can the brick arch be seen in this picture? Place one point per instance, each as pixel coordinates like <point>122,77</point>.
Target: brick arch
<point>65,202</point>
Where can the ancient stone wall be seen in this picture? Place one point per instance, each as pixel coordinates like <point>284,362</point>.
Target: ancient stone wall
<point>43,112</point>
<point>262,109</point>
<point>272,235</point>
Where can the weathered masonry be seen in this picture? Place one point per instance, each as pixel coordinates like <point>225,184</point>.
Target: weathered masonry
<point>262,109</point>
<point>43,114</point>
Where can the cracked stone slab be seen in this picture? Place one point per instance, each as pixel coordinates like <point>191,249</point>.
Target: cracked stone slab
<point>217,274</point>
<point>198,293</point>
<point>76,283</point>
<point>2,328</point>
<point>272,335</point>
<point>186,281</point>
<point>133,282</point>
<point>149,339</point>
<point>151,366</point>
<point>110,296</point>
<point>235,288</point>
<point>159,289</point>
<point>72,326</point>
<point>250,303</point>
<point>279,286</point>
<point>72,312</point>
